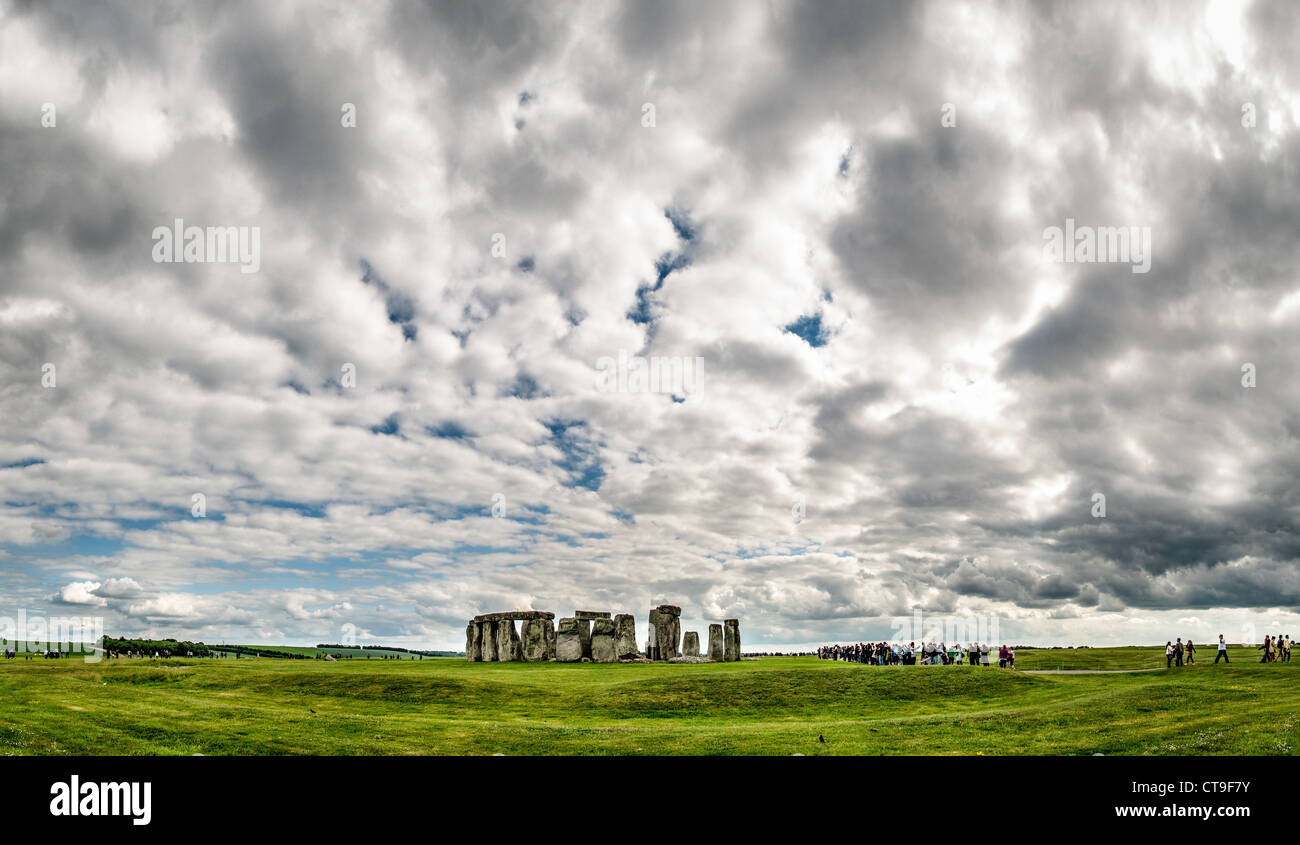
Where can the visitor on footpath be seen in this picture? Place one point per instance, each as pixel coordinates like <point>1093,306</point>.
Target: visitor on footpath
<point>1223,651</point>
<point>1178,652</point>
<point>1190,651</point>
<point>1169,654</point>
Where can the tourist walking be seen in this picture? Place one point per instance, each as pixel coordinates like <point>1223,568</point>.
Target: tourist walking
<point>1223,651</point>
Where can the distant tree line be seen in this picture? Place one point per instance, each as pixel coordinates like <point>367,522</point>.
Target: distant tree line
<point>167,648</point>
<point>259,652</point>
<point>389,648</point>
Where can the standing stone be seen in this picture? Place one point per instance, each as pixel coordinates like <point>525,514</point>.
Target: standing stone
<point>625,636</point>
<point>507,641</point>
<point>534,640</point>
<point>550,638</point>
<point>488,637</point>
<point>691,645</point>
<point>651,650</point>
<point>584,631</point>
<point>716,649</point>
<point>666,626</point>
<point>602,642</point>
<point>568,641</point>
<point>473,652</point>
<point>731,638</point>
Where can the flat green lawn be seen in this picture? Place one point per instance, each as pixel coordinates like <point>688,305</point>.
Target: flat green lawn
<point>770,706</point>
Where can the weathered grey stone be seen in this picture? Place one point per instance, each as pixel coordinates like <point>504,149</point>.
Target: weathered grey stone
<point>488,639</point>
<point>590,614</point>
<point>516,615</point>
<point>691,645</point>
<point>507,641</point>
<point>651,650</point>
<point>473,651</point>
<point>534,640</point>
<point>666,630</point>
<point>550,638</point>
<point>731,638</point>
<point>716,648</point>
<point>625,635</point>
<point>670,609</point>
<point>568,641</point>
<point>584,631</point>
<point>602,642</point>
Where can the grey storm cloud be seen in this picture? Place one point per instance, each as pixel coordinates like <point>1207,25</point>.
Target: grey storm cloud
<point>904,405</point>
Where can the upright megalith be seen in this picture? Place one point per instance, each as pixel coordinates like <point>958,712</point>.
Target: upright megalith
<point>602,641</point>
<point>568,641</point>
<point>666,631</point>
<point>492,636</point>
<point>536,646</point>
<point>508,647</point>
<point>625,636</point>
<point>550,638</point>
<point>716,649</point>
<point>691,644</point>
<point>731,638</point>
<point>473,651</point>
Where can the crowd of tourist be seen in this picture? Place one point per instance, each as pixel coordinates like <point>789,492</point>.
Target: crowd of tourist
<point>926,654</point>
<point>1276,650</point>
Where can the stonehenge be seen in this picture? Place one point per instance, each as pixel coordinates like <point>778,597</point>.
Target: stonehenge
<point>568,641</point>
<point>666,631</point>
<point>602,641</point>
<point>731,639</point>
<point>715,643</point>
<point>625,636</point>
<point>492,637</point>
<point>593,636</point>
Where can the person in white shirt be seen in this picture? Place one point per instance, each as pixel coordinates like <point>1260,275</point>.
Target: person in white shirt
<point>1223,651</point>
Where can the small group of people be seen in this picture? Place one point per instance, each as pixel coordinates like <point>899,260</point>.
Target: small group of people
<point>927,654</point>
<point>1276,649</point>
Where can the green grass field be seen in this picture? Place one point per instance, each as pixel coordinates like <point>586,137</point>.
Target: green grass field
<point>770,706</point>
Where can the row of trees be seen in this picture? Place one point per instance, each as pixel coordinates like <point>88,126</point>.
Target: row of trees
<point>167,648</point>
<point>388,648</point>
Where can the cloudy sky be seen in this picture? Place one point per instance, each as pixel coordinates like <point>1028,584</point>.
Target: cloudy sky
<point>834,213</point>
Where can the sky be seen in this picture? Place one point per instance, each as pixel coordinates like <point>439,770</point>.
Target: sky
<point>420,395</point>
